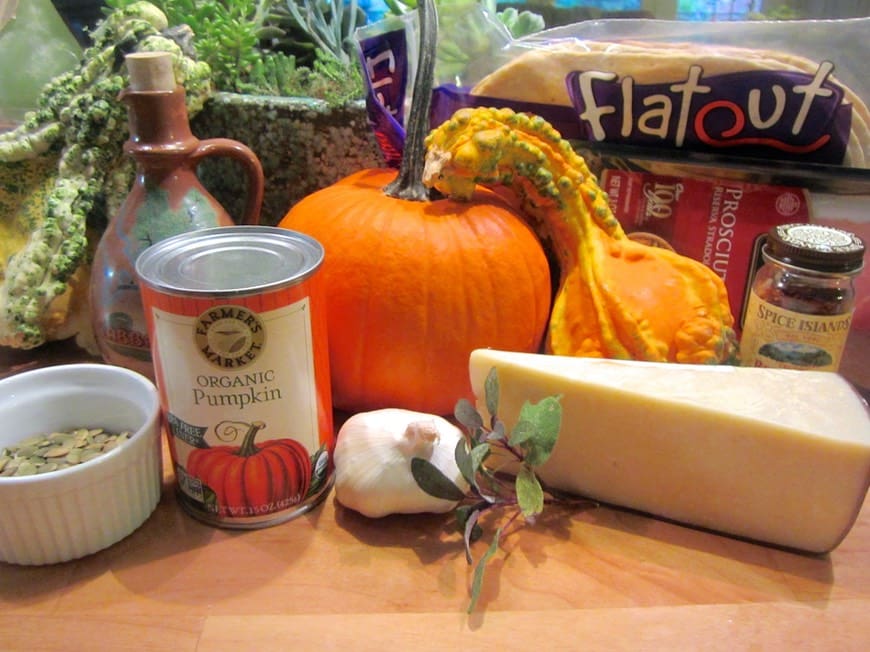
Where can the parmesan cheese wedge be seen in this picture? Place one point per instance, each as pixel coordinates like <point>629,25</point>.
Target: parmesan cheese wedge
<point>773,455</point>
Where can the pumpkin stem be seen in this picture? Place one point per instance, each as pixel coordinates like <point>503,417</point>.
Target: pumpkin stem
<point>248,448</point>
<point>409,183</point>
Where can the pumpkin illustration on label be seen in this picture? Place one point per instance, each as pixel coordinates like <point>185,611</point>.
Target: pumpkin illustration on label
<point>253,479</point>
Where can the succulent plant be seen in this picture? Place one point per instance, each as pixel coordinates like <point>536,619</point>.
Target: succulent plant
<point>273,47</point>
<point>307,47</point>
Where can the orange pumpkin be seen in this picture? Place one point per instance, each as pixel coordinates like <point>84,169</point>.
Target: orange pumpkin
<point>414,286</point>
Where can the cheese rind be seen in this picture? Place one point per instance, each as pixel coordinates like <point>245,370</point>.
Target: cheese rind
<point>774,455</point>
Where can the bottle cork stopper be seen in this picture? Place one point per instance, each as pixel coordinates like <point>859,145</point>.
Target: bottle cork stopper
<point>150,71</point>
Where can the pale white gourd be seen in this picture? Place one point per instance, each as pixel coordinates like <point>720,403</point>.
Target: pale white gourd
<point>373,455</point>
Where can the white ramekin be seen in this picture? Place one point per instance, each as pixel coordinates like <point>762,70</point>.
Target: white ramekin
<point>70,513</point>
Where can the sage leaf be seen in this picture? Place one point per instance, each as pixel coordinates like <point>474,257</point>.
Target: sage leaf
<point>467,415</point>
<point>491,392</point>
<point>480,569</point>
<point>488,488</point>
<point>530,495</point>
<point>431,480</point>
<point>463,461</point>
<point>319,473</point>
<point>523,431</point>
<point>471,532</point>
<point>546,419</point>
<point>463,514</point>
<point>497,431</point>
<point>478,456</point>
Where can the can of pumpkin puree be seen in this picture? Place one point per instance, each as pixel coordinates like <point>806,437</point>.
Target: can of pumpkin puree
<point>238,337</point>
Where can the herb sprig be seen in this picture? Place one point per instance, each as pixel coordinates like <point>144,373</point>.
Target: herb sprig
<point>500,469</point>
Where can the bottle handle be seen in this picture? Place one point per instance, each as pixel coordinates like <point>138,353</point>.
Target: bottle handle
<point>249,160</point>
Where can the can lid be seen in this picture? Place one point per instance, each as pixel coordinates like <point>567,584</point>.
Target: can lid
<point>229,260</point>
<point>816,247</point>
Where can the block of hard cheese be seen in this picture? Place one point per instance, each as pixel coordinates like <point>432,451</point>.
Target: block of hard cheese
<point>774,455</point>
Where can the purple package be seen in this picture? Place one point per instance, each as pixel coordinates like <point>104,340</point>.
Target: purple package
<point>801,108</point>
<point>384,60</point>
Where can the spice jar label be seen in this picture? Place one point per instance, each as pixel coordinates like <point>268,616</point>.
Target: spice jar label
<point>775,337</point>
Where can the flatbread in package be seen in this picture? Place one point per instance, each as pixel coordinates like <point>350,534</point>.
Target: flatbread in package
<point>726,99</point>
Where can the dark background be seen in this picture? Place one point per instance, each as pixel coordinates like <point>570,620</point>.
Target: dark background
<point>82,14</point>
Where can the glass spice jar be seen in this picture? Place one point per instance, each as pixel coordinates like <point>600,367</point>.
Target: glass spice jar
<point>800,307</point>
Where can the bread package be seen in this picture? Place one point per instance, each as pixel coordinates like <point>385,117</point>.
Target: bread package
<point>751,101</point>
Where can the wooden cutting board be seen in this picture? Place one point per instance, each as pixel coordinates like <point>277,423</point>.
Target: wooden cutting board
<point>595,579</point>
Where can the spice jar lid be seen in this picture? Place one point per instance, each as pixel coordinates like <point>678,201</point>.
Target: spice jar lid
<point>816,247</point>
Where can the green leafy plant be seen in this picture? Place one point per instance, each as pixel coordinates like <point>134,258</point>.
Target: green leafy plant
<point>500,468</point>
<point>307,47</point>
<point>519,23</point>
<point>328,24</point>
<point>467,37</point>
<point>272,47</point>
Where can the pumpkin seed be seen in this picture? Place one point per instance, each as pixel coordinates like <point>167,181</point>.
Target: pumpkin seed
<point>26,468</point>
<point>31,441</point>
<point>57,450</point>
<point>90,454</point>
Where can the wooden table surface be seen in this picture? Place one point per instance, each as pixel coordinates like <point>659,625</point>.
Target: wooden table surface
<point>596,579</point>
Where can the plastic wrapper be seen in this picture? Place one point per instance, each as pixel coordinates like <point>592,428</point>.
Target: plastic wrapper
<point>703,134</point>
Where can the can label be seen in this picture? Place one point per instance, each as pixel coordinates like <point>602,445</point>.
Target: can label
<point>245,427</point>
<point>780,338</point>
<point>244,381</point>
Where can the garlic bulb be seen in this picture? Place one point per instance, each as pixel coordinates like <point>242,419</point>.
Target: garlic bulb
<point>373,455</point>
